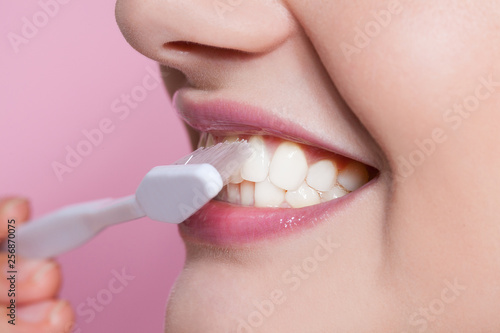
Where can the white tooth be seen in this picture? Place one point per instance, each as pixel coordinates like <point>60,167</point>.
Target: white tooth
<point>256,167</point>
<point>230,139</point>
<point>268,195</point>
<point>247,193</point>
<point>203,140</point>
<point>210,141</point>
<point>353,176</point>
<point>233,193</point>
<point>222,196</point>
<point>288,167</point>
<point>334,193</point>
<point>322,175</point>
<point>236,178</point>
<point>303,196</point>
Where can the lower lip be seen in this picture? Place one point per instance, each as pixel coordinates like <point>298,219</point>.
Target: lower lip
<point>221,223</point>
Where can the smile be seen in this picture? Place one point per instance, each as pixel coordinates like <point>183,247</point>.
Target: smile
<point>287,185</point>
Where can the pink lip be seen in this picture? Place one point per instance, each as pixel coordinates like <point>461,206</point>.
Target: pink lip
<point>224,224</point>
<point>221,223</point>
<point>226,117</point>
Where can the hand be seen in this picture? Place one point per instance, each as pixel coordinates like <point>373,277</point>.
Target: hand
<point>37,283</point>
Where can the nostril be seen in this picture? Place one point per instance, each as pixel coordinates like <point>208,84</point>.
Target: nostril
<point>181,46</point>
<point>195,48</point>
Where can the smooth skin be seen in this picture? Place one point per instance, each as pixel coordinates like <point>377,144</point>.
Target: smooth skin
<point>38,309</point>
<point>420,250</point>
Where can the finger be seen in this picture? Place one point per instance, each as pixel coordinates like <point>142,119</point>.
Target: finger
<point>12,209</point>
<point>35,280</point>
<point>44,317</point>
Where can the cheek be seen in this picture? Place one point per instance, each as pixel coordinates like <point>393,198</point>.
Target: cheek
<point>403,76</point>
<point>401,69</point>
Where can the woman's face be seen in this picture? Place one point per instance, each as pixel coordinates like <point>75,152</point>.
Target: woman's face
<point>408,88</point>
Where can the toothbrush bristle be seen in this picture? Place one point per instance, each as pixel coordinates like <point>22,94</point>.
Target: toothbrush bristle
<point>226,157</point>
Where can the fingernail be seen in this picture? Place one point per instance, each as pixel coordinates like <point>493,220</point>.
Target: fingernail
<point>57,316</point>
<point>35,313</point>
<point>14,203</point>
<point>28,268</point>
<point>40,273</point>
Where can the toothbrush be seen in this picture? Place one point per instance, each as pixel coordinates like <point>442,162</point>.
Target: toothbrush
<point>168,193</point>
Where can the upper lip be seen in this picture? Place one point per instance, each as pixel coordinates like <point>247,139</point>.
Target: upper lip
<point>225,117</point>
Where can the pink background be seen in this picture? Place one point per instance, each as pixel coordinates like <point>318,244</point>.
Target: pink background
<point>61,82</point>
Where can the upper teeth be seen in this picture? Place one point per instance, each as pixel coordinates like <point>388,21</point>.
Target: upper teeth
<point>289,166</point>
<point>257,166</point>
<point>353,176</point>
<point>286,174</point>
<point>322,175</point>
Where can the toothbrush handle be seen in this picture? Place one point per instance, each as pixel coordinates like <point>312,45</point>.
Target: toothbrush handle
<point>72,226</point>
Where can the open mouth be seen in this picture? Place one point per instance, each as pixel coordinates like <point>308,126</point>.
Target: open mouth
<point>285,174</point>
<point>287,185</point>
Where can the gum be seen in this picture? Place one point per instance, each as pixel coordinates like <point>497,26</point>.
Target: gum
<point>313,154</point>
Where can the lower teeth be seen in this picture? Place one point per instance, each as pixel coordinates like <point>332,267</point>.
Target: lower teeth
<point>289,175</point>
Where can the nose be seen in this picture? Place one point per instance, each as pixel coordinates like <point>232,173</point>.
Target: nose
<point>159,28</point>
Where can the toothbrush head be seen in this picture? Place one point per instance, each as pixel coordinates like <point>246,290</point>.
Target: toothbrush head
<point>226,157</point>
<point>172,193</point>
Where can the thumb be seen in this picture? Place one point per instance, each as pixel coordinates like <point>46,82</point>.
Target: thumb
<point>16,209</point>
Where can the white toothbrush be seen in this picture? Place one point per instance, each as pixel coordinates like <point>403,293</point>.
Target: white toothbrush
<point>168,193</point>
